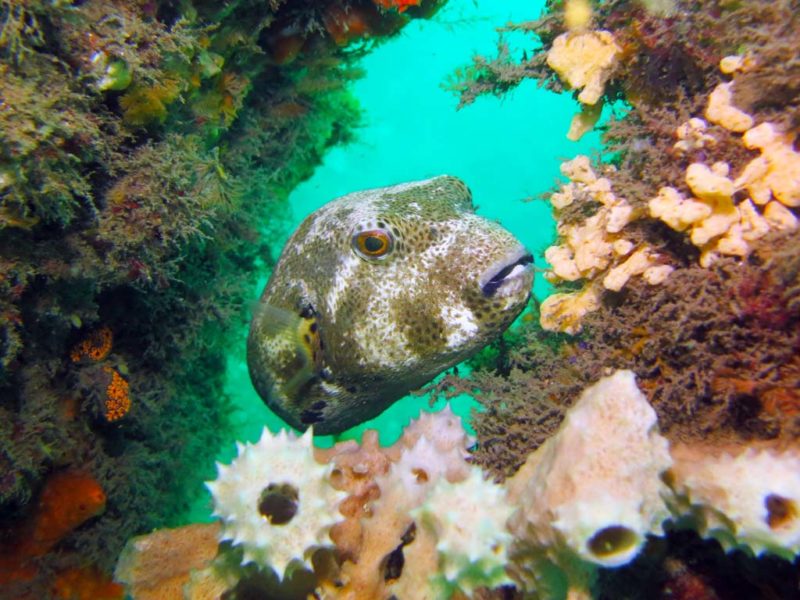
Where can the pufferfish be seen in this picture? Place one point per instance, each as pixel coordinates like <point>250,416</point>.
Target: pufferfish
<point>375,294</point>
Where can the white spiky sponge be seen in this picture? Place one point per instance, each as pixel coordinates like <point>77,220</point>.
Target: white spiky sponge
<point>275,500</point>
<point>749,499</point>
<point>469,522</point>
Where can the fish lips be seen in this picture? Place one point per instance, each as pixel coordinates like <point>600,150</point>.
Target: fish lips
<point>509,275</point>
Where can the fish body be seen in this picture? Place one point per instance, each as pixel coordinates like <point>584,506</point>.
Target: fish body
<point>375,294</point>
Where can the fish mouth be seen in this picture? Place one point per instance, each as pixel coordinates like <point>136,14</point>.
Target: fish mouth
<point>507,275</point>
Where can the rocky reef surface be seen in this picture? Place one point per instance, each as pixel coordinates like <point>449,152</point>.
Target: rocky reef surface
<point>637,436</point>
<point>639,426</point>
<point>147,150</point>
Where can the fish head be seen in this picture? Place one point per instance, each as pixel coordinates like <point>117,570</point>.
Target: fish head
<point>398,284</point>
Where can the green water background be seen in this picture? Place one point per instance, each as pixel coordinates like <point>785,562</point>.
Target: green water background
<point>507,150</point>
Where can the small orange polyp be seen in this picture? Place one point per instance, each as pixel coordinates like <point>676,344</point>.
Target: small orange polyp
<point>118,400</point>
<point>96,346</point>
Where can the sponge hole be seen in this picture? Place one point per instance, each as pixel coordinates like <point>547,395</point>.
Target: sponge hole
<point>421,475</point>
<point>781,511</point>
<point>279,503</point>
<point>612,540</point>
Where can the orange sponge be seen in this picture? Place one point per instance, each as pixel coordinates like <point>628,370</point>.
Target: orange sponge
<point>399,5</point>
<point>69,498</point>
<point>87,583</point>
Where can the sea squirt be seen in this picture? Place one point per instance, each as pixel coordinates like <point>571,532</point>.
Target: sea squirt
<point>375,294</point>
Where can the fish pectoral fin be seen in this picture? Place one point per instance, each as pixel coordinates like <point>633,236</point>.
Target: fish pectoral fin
<point>301,338</point>
<point>294,386</point>
<point>275,321</point>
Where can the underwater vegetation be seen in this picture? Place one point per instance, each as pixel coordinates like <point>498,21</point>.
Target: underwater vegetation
<point>418,520</point>
<point>638,429</point>
<point>638,432</point>
<point>147,150</point>
<point>676,253</point>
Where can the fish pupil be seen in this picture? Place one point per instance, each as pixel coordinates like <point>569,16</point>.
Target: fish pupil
<point>374,244</point>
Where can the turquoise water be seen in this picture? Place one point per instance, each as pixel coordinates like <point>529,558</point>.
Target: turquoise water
<point>507,150</point>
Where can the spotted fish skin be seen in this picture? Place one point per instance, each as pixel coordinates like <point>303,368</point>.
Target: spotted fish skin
<point>375,294</point>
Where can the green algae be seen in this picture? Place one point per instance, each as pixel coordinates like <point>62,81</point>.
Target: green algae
<point>148,150</point>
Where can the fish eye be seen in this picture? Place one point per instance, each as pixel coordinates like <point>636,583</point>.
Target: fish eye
<point>373,244</point>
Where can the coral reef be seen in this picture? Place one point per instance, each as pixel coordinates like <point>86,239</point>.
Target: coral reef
<point>397,532</point>
<point>95,346</point>
<point>159,564</point>
<point>595,250</point>
<point>464,531</point>
<point>274,514</point>
<point>141,142</point>
<point>387,551</point>
<point>118,400</point>
<point>585,60</point>
<point>717,219</point>
<point>147,150</point>
<point>604,493</point>
<point>592,493</point>
<point>676,257</point>
<point>524,382</point>
<point>707,183</point>
<point>758,514</point>
<point>675,247</point>
<point>690,344</point>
